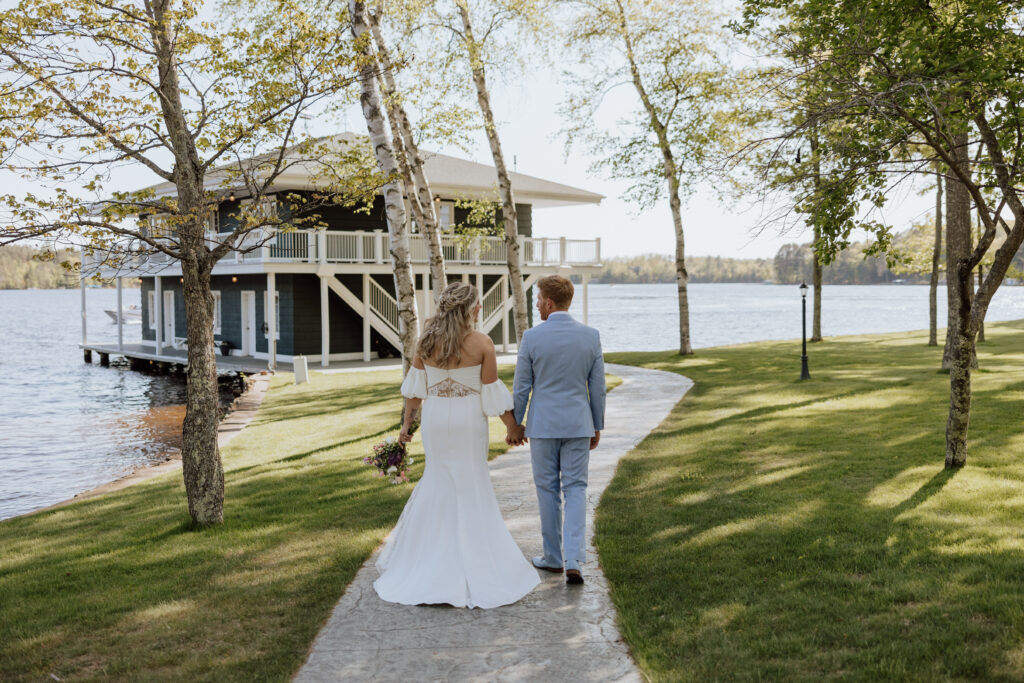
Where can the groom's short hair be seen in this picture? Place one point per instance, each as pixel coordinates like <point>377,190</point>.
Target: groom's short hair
<point>556,288</point>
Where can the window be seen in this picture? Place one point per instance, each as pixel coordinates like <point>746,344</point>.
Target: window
<point>277,316</point>
<point>216,312</point>
<point>152,309</point>
<point>213,221</point>
<point>446,215</point>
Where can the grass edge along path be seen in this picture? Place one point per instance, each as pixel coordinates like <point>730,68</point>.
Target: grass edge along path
<point>121,587</point>
<point>786,530</point>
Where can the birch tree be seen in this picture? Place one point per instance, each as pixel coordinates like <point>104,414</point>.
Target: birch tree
<point>90,86</point>
<point>473,46</point>
<point>680,117</point>
<point>409,158</point>
<point>394,206</point>
<point>942,76</point>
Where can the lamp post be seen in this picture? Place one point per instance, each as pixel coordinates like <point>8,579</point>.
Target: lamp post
<point>804,372</point>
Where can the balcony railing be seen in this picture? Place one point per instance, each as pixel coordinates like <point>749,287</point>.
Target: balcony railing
<point>329,246</point>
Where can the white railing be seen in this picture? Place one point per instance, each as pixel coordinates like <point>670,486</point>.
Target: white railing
<point>384,305</point>
<point>335,246</point>
<point>493,299</point>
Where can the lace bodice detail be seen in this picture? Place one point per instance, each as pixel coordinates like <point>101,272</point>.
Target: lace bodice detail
<point>454,382</point>
<point>457,383</point>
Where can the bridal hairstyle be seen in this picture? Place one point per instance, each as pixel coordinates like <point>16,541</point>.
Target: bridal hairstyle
<point>443,333</point>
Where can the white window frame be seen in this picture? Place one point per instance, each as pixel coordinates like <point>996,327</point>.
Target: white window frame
<point>213,222</point>
<point>216,311</point>
<point>445,219</point>
<point>152,309</point>
<point>277,318</point>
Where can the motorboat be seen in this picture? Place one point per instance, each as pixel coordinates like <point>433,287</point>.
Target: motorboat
<point>129,315</point>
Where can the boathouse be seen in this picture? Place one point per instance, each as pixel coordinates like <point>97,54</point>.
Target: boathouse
<point>332,290</point>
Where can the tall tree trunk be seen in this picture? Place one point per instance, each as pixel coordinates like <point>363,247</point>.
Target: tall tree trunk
<point>508,204</point>
<point>981,281</point>
<point>816,281</point>
<point>671,175</point>
<point>682,277</point>
<point>202,470</point>
<point>959,417</point>
<point>933,283</point>
<point>394,205</point>
<point>200,456</point>
<point>958,248</point>
<point>816,273</point>
<point>421,199</point>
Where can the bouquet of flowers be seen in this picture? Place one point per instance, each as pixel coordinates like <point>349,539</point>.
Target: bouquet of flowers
<point>391,458</point>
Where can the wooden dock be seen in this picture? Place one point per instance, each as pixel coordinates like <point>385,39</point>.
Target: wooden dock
<point>142,353</point>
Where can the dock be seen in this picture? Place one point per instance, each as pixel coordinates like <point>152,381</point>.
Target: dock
<point>137,354</point>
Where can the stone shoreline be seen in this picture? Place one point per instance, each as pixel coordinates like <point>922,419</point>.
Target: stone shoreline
<point>240,414</point>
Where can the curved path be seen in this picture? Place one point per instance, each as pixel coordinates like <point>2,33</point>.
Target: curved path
<point>556,633</point>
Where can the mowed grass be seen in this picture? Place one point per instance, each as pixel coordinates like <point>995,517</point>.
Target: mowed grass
<point>121,587</point>
<point>773,529</point>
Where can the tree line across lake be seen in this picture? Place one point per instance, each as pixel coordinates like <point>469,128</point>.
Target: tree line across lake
<point>793,263</point>
<point>24,267</point>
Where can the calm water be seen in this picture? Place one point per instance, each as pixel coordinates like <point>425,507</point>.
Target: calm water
<point>646,317</point>
<point>66,427</point>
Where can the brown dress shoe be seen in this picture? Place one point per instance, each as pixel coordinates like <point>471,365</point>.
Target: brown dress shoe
<point>573,576</point>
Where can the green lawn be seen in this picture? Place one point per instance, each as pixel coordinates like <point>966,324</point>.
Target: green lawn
<point>120,587</point>
<point>785,530</point>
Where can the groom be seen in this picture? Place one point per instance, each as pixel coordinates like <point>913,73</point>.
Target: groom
<point>560,363</point>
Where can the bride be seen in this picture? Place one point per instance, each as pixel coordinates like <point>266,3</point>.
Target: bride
<point>451,544</point>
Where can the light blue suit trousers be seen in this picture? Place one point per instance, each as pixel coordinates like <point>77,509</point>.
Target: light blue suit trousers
<point>560,375</point>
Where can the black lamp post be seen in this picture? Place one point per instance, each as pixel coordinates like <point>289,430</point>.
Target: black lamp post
<point>804,372</point>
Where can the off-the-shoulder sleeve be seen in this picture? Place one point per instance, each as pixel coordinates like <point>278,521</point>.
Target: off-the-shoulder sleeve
<point>415,383</point>
<point>496,398</point>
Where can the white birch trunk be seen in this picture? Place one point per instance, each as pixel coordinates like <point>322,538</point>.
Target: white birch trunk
<point>508,204</point>
<point>421,199</point>
<point>671,174</point>
<point>394,206</point>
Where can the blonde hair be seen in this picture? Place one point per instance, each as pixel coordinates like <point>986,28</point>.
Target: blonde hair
<point>443,333</point>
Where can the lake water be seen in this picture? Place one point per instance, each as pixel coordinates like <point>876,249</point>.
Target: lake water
<point>66,427</point>
<point>646,317</point>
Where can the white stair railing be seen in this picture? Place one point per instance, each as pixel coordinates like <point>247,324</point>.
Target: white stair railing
<point>493,300</point>
<point>384,305</point>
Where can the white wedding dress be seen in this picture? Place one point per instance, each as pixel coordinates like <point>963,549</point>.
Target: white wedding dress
<point>451,544</point>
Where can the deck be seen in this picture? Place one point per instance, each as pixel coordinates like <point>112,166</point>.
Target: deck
<point>360,251</point>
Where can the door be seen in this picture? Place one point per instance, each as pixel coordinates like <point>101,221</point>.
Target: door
<point>169,318</point>
<point>248,323</point>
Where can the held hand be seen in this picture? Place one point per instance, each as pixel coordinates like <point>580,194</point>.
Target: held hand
<point>404,436</point>
<point>516,436</point>
<point>595,439</point>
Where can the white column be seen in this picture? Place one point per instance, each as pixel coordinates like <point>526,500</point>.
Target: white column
<point>562,251</point>
<point>120,317</point>
<point>158,304</point>
<point>84,336</point>
<point>271,315</point>
<point>325,322</point>
<point>586,301</point>
<point>480,293</point>
<point>366,317</point>
<point>504,310</point>
<point>465,278</point>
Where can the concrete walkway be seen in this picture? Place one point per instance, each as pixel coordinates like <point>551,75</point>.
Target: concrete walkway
<point>556,633</point>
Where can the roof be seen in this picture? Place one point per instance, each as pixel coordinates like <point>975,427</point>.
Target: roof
<point>450,178</point>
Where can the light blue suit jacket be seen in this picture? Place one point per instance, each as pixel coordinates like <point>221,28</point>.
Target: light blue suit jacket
<point>560,362</point>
